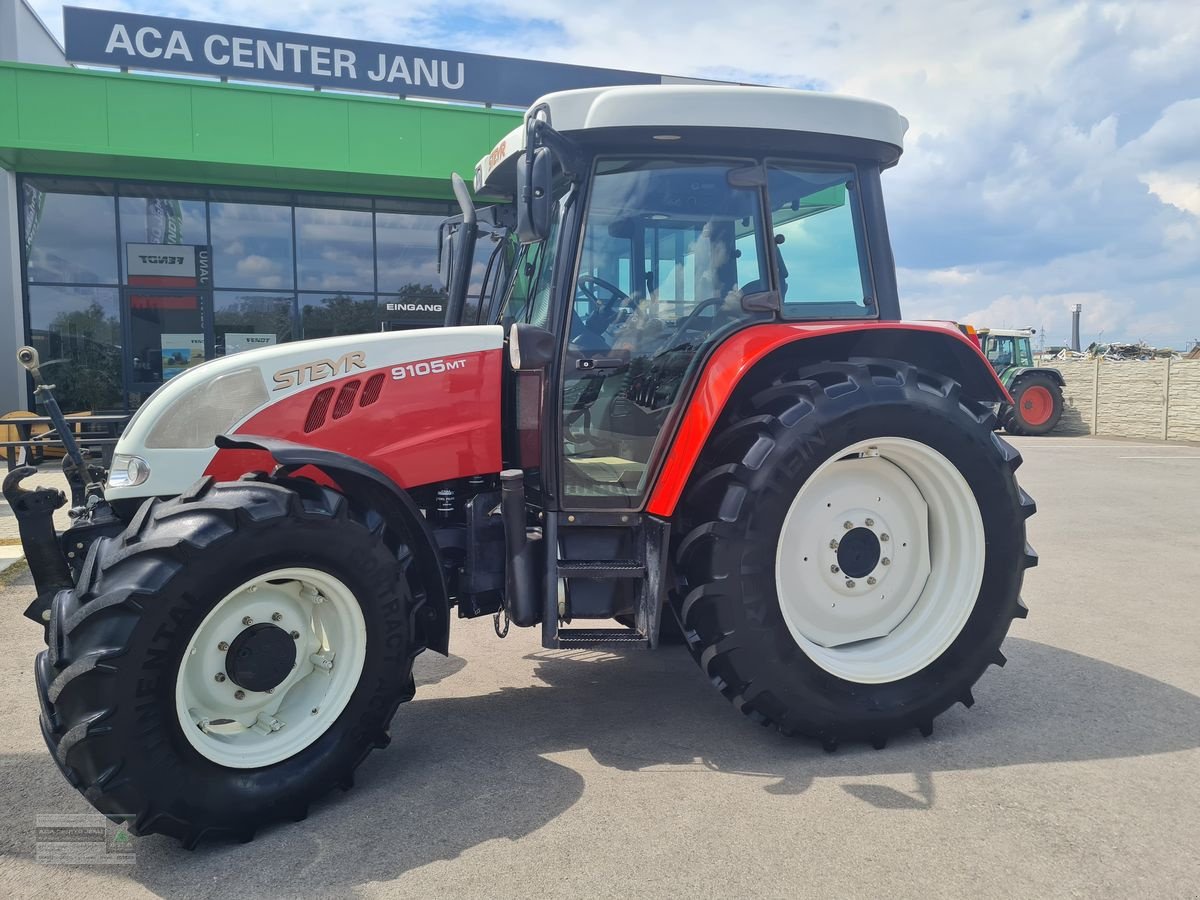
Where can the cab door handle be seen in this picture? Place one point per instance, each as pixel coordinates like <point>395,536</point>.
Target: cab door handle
<point>599,362</point>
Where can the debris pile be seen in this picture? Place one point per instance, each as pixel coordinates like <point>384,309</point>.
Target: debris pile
<point>1114,352</point>
<point>1118,352</point>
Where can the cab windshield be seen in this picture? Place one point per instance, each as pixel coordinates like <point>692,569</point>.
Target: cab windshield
<point>669,249</point>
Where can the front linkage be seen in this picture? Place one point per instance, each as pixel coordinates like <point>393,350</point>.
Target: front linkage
<point>55,561</point>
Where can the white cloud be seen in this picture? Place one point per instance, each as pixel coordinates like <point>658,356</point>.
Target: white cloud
<point>255,266</point>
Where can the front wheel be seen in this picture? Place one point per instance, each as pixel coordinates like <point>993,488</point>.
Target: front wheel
<point>852,551</point>
<point>231,656</point>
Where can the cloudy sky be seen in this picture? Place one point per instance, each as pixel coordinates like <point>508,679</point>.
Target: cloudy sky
<point>1054,150</point>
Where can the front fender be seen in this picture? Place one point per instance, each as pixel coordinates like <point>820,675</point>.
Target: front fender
<point>933,345</point>
<point>1053,374</point>
<point>368,487</point>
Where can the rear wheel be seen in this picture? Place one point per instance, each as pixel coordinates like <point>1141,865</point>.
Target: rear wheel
<point>1037,405</point>
<point>852,550</point>
<point>230,657</point>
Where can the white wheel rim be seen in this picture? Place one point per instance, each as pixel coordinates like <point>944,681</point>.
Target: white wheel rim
<point>881,622</point>
<point>259,728</point>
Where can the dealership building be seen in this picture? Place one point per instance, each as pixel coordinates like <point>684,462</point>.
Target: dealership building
<point>172,191</point>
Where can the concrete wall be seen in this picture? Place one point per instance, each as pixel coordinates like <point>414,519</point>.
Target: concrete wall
<point>1158,399</point>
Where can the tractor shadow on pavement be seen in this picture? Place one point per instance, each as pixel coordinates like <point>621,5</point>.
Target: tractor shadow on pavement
<point>463,770</point>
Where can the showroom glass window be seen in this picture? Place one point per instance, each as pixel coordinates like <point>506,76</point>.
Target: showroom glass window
<point>284,266</point>
<point>70,246</point>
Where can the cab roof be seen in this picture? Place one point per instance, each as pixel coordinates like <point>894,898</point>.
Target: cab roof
<point>688,106</point>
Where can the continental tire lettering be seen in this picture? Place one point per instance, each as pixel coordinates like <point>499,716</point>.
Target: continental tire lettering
<point>427,367</point>
<point>319,370</point>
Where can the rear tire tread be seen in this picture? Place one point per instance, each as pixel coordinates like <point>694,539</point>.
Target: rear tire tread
<point>770,413</point>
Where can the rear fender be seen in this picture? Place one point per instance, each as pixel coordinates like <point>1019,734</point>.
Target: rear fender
<point>368,488</point>
<point>932,345</point>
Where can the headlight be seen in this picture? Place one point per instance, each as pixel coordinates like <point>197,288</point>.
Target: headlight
<point>194,418</point>
<point>127,471</point>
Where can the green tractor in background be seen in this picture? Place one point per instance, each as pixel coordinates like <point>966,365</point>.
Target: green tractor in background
<point>1036,390</point>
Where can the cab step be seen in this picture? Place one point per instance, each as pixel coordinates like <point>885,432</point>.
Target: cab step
<point>601,568</point>
<point>590,637</point>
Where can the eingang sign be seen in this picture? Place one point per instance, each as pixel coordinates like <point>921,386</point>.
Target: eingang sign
<point>105,37</point>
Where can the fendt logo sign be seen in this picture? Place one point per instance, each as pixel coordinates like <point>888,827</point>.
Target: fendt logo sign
<point>104,37</point>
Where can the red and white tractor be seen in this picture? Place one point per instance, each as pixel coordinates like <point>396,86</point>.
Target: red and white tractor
<point>683,391</point>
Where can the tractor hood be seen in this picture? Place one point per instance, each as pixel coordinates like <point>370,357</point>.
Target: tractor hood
<point>343,393</point>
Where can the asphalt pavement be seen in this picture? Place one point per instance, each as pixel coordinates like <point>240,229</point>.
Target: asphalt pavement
<point>519,772</point>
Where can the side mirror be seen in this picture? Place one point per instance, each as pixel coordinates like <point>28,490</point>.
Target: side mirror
<point>534,182</point>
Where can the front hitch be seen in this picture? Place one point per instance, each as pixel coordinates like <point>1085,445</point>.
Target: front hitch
<point>34,511</point>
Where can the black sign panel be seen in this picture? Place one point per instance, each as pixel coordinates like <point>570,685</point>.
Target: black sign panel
<point>105,37</point>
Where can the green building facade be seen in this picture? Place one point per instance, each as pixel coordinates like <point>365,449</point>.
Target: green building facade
<point>148,223</point>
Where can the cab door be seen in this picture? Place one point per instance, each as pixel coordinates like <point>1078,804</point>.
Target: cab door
<point>668,250</point>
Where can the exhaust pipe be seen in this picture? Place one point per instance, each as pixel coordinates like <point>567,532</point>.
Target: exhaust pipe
<point>521,595</point>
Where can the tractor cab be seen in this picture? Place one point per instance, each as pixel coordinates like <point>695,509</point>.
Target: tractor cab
<point>1006,348</point>
<point>648,231</point>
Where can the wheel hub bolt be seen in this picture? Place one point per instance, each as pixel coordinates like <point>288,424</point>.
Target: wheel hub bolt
<point>223,646</point>
<point>247,621</point>
<point>847,524</point>
<point>886,561</point>
<point>849,582</point>
<point>295,635</point>
<point>884,537</point>
<point>834,569</point>
<point>239,695</point>
<point>219,677</point>
<point>833,545</point>
<point>275,617</point>
<point>870,522</point>
<point>871,579</point>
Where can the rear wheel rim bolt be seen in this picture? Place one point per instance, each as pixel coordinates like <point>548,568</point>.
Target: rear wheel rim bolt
<point>247,621</point>
<point>239,695</point>
<point>219,677</point>
<point>223,646</point>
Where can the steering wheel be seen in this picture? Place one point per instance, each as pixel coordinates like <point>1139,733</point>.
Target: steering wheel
<point>688,322</point>
<point>603,311</point>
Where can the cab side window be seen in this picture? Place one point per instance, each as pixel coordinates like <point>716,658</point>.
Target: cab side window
<point>533,278</point>
<point>516,305</point>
